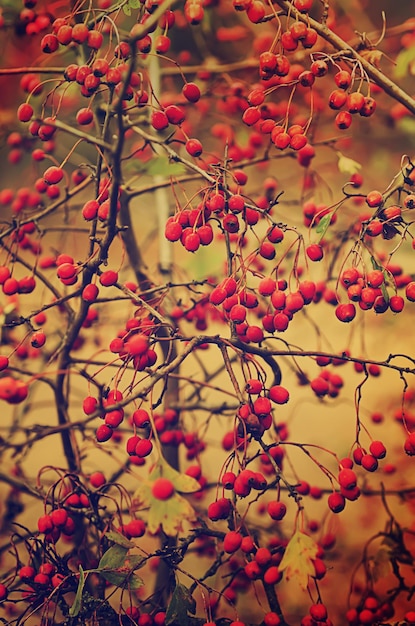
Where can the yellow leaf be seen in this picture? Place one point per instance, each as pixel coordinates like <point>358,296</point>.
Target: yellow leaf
<point>168,514</point>
<point>298,558</point>
<point>348,166</point>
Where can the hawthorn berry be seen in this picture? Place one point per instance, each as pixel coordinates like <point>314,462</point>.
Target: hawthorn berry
<point>276,510</point>
<point>345,312</point>
<point>279,394</point>
<point>232,541</point>
<point>314,252</point>
<point>162,489</point>
<point>38,339</point>
<point>191,92</point>
<point>53,175</point>
<point>194,147</point>
<point>25,112</point>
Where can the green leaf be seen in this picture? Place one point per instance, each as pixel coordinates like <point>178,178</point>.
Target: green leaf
<point>117,567</point>
<point>348,166</point>
<point>323,225</point>
<point>118,538</point>
<point>123,579</point>
<point>163,166</point>
<point>181,604</point>
<point>172,513</point>
<point>126,9</point>
<point>113,558</point>
<point>298,558</point>
<point>381,566</point>
<point>134,4</point>
<point>77,603</point>
<point>404,61</point>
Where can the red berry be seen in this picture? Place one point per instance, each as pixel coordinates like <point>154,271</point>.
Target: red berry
<point>314,252</point>
<point>159,120</point>
<point>276,510</point>
<point>318,612</point>
<point>90,293</point>
<point>237,314</point>
<point>369,462</point>
<point>410,291</point>
<point>94,39</point>
<point>53,175</point>
<point>49,44</point>
<point>25,112</point>
<point>84,116</point>
<point>135,528</point>
<point>108,278</point>
<point>232,541</point>
<point>347,478</point>
<point>374,198</point>
<point>162,489</point>
<point>337,99</point>
<point>343,79</point>
<point>192,241</point>
<point>279,394</point>
<point>103,433</point>
<point>59,517</point>
<point>191,92</point>
<point>26,573</point>
<point>175,114</point>
<point>355,102</point>
<point>194,147</point>
<point>346,312</point>
<point>38,339</point>
<point>162,44</point>
<point>97,479</point>
<point>3,592</point>
<point>336,502</point>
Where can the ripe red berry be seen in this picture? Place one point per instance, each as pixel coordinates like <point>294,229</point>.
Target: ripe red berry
<point>191,92</point>
<point>355,102</point>
<point>103,433</point>
<point>59,517</point>
<point>94,39</point>
<point>84,116</point>
<point>318,612</point>
<point>337,99</point>
<point>97,479</point>
<point>369,462</point>
<point>336,502</point>
<point>232,541</point>
<point>192,242</point>
<point>346,312</point>
<point>26,573</point>
<point>276,510</point>
<point>162,489</point>
<point>279,394</point>
<point>108,278</point>
<point>25,112</point>
<point>272,619</point>
<point>38,339</point>
<point>159,120</point>
<point>90,293</point>
<point>374,198</point>
<point>410,291</point>
<point>347,478</point>
<point>49,44</point>
<point>314,252</point>
<point>3,592</point>
<point>194,147</point>
<point>53,175</point>
<point>143,448</point>
<point>135,528</point>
